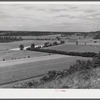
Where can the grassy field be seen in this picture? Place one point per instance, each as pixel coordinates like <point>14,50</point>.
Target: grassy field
<point>76,48</point>
<point>85,78</point>
<point>31,69</point>
<point>17,72</point>
<point>11,45</point>
<point>9,55</point>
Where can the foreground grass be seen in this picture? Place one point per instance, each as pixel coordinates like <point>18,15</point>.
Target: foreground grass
<point>82,75</point>
<point>76,48</point>
<point>78,80</point>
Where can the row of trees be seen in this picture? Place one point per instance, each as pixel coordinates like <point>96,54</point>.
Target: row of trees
<point>25,33</point>
<point>82,54</point>
<point>21,46</point>
<point>9,39</point>
<point>47,44</point>
<point>44,39</point>
<point>97,36</point>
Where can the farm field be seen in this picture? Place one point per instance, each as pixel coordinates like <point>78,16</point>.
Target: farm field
<point>42,37</point>
<point>16,70</point>
<point>71,47</point>
<point>22,65</point>
<point>11,45</point>
<point>11,55</point>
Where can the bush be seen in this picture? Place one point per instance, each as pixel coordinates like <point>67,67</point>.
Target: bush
<point>32,46</point>
<point>82,54</point>
<point>49,76</point>
<point>21,46</point>
<point>3,59</point>
<point>28,56</point>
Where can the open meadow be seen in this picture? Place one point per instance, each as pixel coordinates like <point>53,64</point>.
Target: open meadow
<point>11,45</point>
<point>81,47</point>
<point>50,45</point>
<point>21,65</point>
<point>22,69</point>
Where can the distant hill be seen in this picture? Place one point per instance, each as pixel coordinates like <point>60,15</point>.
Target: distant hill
<point>24,33</point>
<point>40,33</point>
<point>32,33</point>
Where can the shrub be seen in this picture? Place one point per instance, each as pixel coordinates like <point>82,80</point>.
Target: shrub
<point>62,42</point>
<point>49,76</point>
<point>83,54</point>
<point>55,43</point>
<point>3,59</point>
<point>21,46</point>
<point>28,56</point>
<point>32,46</point>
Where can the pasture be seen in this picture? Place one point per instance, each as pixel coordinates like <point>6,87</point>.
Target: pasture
<point>11,45</point>
<point>72,47</point>
<point>11,55</point>
<point>17,70</point>
<point>7,54</point>
<point>24,64</point>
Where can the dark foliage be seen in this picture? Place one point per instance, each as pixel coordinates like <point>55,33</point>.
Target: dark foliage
<point>80,66</point>
<point>26,33</point>
<point>9,39</point>
<point>83,54</point>
<point>32,46</point>
<point>97,36</point>
<point>21,46</point>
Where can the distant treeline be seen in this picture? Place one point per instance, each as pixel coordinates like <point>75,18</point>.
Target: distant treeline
<point>34,33</point>
<point>40,33</point>
<point>82,54</point>
<point>96,35</point>
<point>9,39</point>
<point>25,33</point>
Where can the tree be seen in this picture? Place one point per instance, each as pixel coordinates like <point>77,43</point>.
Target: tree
<point>55,43</point>
<point>20,38</point>
<point>32,46</point>
<point>85,43</point>
<point>58,38</point>
<point>46,44</point>
<point>76,42</point>
<point>62,42</point>
<point>21,46</point>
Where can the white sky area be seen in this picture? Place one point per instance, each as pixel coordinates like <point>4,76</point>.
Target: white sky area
<point>50,17</point>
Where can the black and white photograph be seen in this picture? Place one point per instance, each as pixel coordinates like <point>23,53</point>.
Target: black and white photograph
<point>50,45</point>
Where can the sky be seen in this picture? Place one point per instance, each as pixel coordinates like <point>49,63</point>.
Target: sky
<point>66,17</point>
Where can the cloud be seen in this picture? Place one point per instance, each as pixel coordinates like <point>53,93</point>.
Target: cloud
<point>57,10</point>
<point>90,11</point>
<point>49,17</point>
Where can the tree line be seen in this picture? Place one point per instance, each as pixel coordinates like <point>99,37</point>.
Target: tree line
<point>9,38</point>
<point>46,44</point>
<point>82,54</point>
<point>26,33</point>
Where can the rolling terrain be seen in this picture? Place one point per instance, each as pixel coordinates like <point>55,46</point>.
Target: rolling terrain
<point>21,69</point>
<point>70,47</point>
